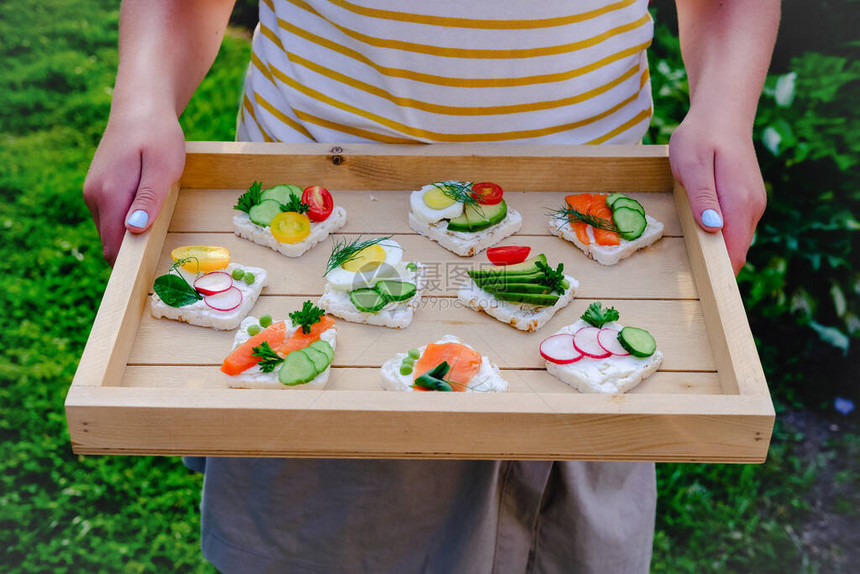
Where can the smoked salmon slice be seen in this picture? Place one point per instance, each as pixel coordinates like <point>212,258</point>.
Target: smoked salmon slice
<point>242,359</point>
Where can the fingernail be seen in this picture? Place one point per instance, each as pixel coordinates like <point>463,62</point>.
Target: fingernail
<point>711,218</point>
<point>138,219</point>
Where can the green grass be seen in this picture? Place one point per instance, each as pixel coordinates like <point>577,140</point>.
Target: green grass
<point>65,513</point>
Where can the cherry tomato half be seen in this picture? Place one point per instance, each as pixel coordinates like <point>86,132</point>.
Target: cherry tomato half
<point>320,202</point>
<point>290,227</point>
<point>487,193</point>
<point>507,255</point>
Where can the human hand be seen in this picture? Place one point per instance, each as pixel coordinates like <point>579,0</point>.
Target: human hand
<point>140,156</point>
<point>716,163</point>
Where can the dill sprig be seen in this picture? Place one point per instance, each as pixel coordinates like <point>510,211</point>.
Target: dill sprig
<point>552,278</point>
<point>307,316</point>
<point>571,215</point>
<point>342,252</point>
<point>296,204</point>
<point>459,191</point>
<point>250,198</point>
<point>269,359</point>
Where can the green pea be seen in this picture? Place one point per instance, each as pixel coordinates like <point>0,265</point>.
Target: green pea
<point>265,321</point>
<point>238,274</point>
<point>249,278</point>
<point>253,330</point>
<point>405,369</point>
<point>412,266</point>
<point>408,361</point>
<point>414,353</point>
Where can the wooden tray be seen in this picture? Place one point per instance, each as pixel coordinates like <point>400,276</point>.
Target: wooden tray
<point>147,386</point>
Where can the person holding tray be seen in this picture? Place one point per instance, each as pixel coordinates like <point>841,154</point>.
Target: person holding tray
<point>415,72</point>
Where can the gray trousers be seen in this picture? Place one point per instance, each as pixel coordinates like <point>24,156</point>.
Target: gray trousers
<point>499,517</point>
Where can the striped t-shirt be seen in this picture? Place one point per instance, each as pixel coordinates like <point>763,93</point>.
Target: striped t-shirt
<point>409,71</point>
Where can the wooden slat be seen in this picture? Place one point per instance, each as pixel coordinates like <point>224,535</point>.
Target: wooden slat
<point>677,326</point>
<point>529,425</point>
<point>201,210</point>
<point>353,379</point>
<point>659,271</point>
<point>397,167</point>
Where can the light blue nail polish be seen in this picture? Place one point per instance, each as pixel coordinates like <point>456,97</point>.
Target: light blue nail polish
<point>712,219</point>
<point>138,219</point>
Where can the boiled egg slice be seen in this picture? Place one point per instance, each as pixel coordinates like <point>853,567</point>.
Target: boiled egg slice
<point>370,265</point>
<point>431,204</point>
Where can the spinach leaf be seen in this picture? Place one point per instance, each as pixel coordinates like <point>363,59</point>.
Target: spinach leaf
<point>175,291</point>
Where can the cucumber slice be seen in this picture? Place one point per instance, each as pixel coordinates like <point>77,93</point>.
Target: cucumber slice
<point>637,342</point>
<point>281,193</point>
<point>297,368</point>
<point>367,300</point>
<point>320,359</point>
<point>325,347</point>
<point>610,200</point>
<point>396,290</point>
<point>264,212</point>
<point>627,202</point>
<point>631,224</point>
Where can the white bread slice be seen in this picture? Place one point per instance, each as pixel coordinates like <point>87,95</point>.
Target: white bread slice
<point>200,314</point>
<point>243,227</point>
<point>613,374</point>
<point>487,379</point>
<point>608,254</point>
<point>519,315</point>
<point>254,378</point>
<point>463,243</point>
<point>395,315</point>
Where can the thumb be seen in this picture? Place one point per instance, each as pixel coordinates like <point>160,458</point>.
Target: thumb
<point>695,171</point>
<point>158,172</point>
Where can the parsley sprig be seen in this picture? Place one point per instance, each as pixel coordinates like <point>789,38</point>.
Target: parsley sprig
<point>597,316</point>
<point>307,316</point>
<point>296,204</point>
<point>269,359</point>
<point>552,278</point>
<point>571,215</point>
<point>343,251</point>
<point>250,198</point>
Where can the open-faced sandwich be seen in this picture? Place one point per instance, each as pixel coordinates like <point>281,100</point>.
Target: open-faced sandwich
<point>287,219</point>
<point>525,295</point>
<point>203,287</point>
<point>446,365</point>
<point>607,228</point>
<point>369,282</point>
<point>599,355</point>
<point>463,217</point>
<point>291,353</point>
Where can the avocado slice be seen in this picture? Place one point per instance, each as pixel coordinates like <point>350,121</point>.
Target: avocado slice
<point>528,298</point>
<point>527,267</point>
<point>498,288</point>
<point>477,217</point>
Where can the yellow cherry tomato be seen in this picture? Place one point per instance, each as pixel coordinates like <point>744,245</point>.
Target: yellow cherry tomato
<point>367,259</point>
<point>202,258</point>
<point>290,227</point>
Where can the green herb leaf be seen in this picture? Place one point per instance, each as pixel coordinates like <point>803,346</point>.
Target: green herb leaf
<point>571,215</point>
<point>597,316</point>
<point>295,204</point>
<point>250,198</point>
<point>269,359</point>
<point>554,279</point>
<point>459,191</point>
<point>342,251</point>
<point>307,316</point>
<point>175,291</point>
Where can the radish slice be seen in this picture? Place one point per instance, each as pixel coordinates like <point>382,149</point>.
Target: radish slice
<point>225,300</point>
<point>585,341</point>
<point>608,339</point>
<point>214,282</point>
<point>559,349</point>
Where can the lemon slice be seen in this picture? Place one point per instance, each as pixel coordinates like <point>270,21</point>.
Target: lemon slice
<point>202,258</point>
